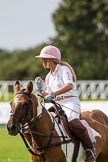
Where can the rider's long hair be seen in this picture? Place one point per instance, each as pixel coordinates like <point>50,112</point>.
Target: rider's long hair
<point>63,63</point>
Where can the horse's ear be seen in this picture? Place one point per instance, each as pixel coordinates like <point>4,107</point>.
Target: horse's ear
<point>17,86</point>
<point>30,87</point>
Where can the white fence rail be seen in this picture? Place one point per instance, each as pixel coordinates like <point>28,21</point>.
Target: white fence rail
<point>87,88</point>
<point>93,89</point>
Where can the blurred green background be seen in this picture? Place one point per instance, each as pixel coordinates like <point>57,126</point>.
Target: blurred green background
<point>12,148</point>
<point>82,36</point>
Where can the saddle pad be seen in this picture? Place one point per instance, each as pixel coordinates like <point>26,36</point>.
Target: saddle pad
<point>89,129</point>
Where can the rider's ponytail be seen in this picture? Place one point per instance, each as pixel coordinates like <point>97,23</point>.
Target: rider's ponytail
<point>70,67</point>
<point>63,63</point>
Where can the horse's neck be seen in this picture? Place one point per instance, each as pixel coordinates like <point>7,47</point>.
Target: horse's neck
<point>39,109</point>
<point>43,120</point>
<point>36,107</point>
<point>41,128</point>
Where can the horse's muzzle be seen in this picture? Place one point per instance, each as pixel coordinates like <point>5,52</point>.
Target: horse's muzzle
<point>13,129</point>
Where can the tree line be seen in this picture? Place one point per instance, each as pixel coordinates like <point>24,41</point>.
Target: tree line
<point>82,36</point>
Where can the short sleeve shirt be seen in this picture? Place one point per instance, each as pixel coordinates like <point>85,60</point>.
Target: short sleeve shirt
<point>60,77</point>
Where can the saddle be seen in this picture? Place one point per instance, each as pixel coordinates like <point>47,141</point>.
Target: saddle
<point>62,119</point>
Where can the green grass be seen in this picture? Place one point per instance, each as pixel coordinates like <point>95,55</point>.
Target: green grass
<point>12,148</point>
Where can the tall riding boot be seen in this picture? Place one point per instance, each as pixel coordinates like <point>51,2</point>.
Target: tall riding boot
<point>81,132</point>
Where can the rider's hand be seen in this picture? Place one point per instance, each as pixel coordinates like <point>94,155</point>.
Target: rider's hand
<point>39,83</point>
<point>49,97</point>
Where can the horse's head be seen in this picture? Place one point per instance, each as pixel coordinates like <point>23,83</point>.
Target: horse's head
<point>22,108</point>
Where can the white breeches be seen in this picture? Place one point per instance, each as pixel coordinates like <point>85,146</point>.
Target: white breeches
<point>71,106</point>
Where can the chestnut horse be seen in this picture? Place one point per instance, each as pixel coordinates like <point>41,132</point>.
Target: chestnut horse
<point>27,112</point>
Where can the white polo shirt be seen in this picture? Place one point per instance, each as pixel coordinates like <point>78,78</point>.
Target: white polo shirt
<point>61,76</point>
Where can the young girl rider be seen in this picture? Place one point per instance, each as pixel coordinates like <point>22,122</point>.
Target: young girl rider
<point>61,86</point>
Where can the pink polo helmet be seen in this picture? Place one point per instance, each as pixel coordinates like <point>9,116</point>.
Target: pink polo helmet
<point>50,52</point>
